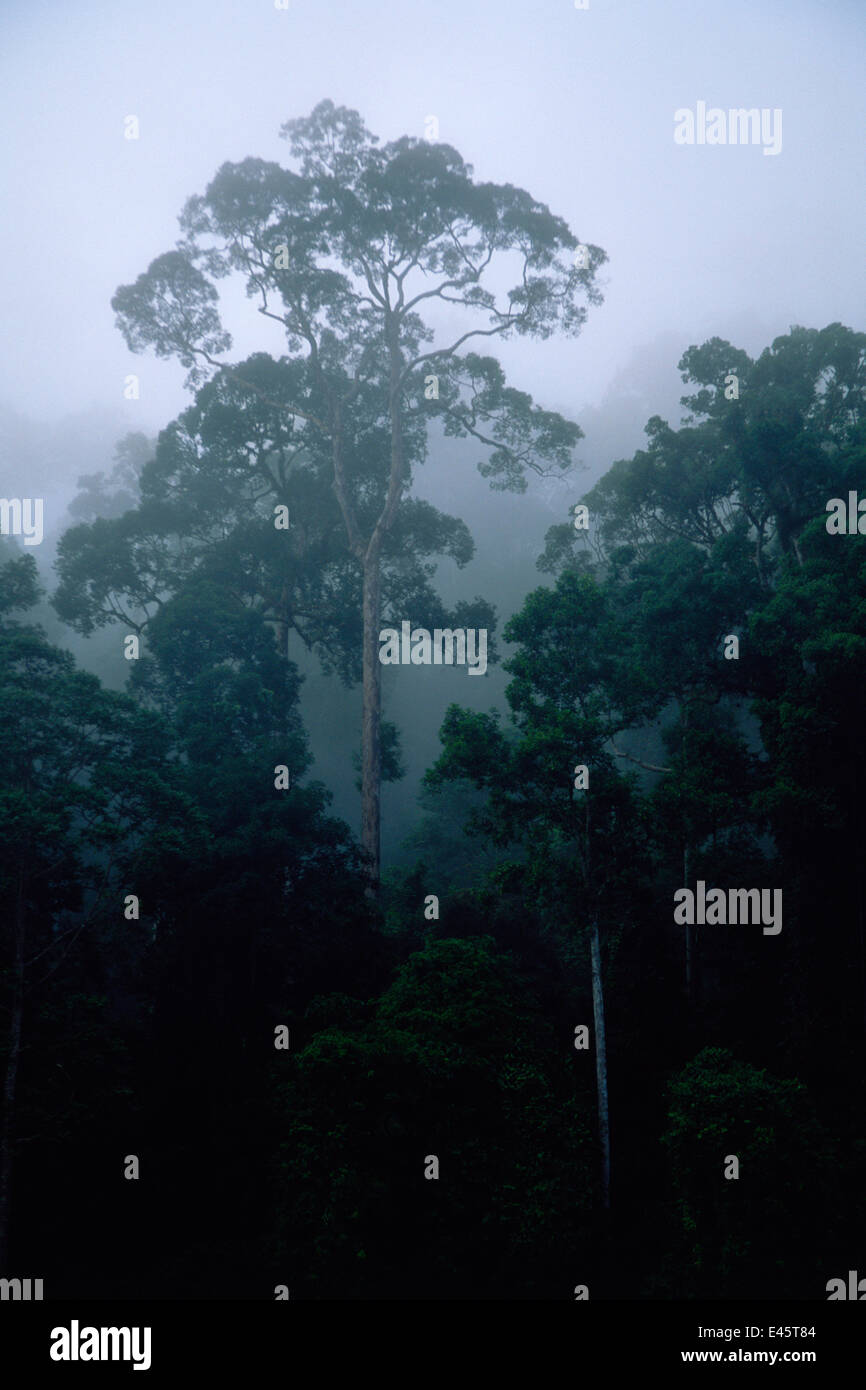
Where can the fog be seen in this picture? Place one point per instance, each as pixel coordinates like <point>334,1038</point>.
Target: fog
<point>577,106</point>
<point>349,951</point>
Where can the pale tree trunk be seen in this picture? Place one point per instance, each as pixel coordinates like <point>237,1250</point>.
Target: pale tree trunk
<point>283,623</point>
<point>7,1141</point>
<point>687,870</point>
<point>598,1023</point>
<point>371,718</point>
<point>862,954</point>
<point>690,937</point>
<point>600,1060</point>
<point>369,556</point>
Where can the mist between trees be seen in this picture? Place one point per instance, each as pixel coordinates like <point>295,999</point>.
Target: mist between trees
<point>503,1066</point>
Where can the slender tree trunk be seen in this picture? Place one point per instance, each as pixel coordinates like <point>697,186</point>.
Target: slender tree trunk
<point>859,891</point>
<point>371,718</point>
<point>7,1140</point>
<point>283,622</point>
<point>369,555</point>
<point>687,873</point>
<point>598,1019</point>
<point>759,558</point>
<point>600,1060</point>
<point>690,933</point>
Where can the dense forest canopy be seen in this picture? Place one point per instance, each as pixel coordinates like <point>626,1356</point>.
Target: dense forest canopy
<point>545,1052</point>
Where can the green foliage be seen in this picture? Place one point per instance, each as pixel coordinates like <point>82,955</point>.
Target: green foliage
<point>450,1064</point>
<point>754,1236</point>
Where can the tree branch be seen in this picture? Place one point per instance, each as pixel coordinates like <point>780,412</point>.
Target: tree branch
<point>650,767</point>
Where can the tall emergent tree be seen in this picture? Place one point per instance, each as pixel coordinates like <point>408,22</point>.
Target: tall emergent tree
<point>343,253</point>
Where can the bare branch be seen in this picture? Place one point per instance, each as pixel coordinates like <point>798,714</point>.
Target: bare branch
<point>650,767</point>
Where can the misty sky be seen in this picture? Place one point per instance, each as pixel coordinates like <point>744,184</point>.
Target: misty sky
<point>575,106</point>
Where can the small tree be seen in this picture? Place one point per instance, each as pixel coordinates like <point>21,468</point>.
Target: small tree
<point>574,839</point>
<point>761,1234</point>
